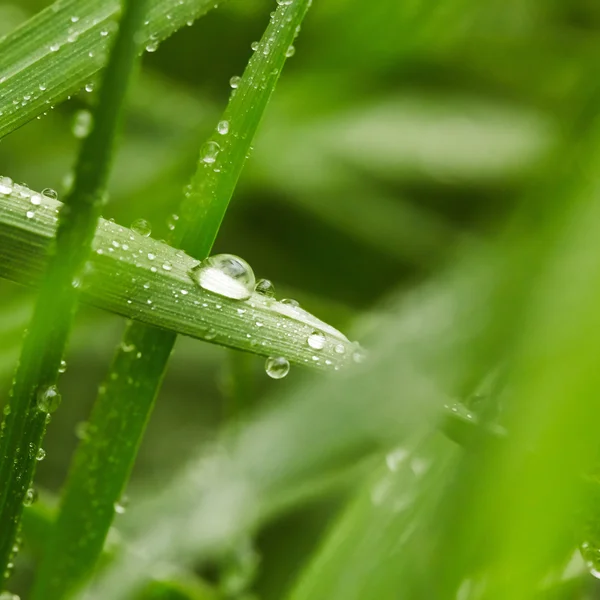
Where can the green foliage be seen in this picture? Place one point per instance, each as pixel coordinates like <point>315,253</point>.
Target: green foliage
<point>425,179</point>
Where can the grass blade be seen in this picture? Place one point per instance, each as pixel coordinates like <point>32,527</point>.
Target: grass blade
<point>100,471</point>
<point>34,395</point>
<point>61,49</point>
<point>120,277</point>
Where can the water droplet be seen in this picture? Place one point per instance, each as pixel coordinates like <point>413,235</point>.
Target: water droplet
<point>290,52</point>
<point>254,46</point>
<point>74,19</point>
<point>152,46</point>
<point>55,47</point>
<point>316,340</point>
<point>41,454</point>
<point>290,302</point>
<point>151,256</point>
<point>358,356</point>
<point>121,505</point>
<point>167,266</point>
<point>141,227</point>
<point>82,123</point>
<point>226,275</point>
<point>30,214</point>
<point>48,399</point>
<point>36,199</point>
<point>285,2</point>
<point>223,127</point>
<point>211,334</point>
<point>28,500</point>
<point>50,193</point>
<point>277,367</point>
<point>6,184</point>
<point>234,82</point>
<point>209,152</point>
<point>265,288</point>
<point>89,87</point>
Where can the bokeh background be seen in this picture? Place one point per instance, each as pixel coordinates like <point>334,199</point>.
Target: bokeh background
<point>400,133</point>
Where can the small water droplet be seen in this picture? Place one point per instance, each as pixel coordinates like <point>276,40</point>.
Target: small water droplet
<point>41,454</point>
<point>6,184</point>
<point>151,256</point>
<point>316,340</point>
<point>211,334</point>
<point>209,152</point>
<point>54,47</point>
<point>340,349</point>
<point>36,199</point>
<point>89,87</point>
<point>50,193</point>
<point>358,356</point>
<point>48,399</point>
<point>223,127</point>
<point>152,46</point>
<point>277,367</point>
<point>265,288</point>
<point>234,82</point>
<point>290,52</point>
<point>6,410</point>
<point>226,275</point>
<point>82,123</point>
<point>121,505</point>
<point>30,214</point>
<point>290,302</point>
<point>28,500</point>
<point>167,266</point>
<point>254,46</point>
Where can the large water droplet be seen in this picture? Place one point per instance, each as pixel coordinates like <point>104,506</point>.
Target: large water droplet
<point>82,123</point>
<point>265,288</point>
<point>277,367</point>
<point>141,227</point>
<point>48,399</point>
<point>316,340</point>
<point>50,193</point>
<point>226,275</point>
<point>209,152</point>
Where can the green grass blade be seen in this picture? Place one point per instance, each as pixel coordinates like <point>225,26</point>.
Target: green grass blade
<point>100,471</point>
<point>61,49</point>
<point>34,395</point>
<point>120,278</point>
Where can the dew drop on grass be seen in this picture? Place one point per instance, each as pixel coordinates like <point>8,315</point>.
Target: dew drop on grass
<point>277,367</point>
<point>226,275</point>
<point>234,82</point>
<point>290,302</point>
<point>265,288</point>
<point>316,340</point>
<point>6,410</point>
<point>89,87</point>
<point>28,500</point>
<point>209,152</point>
<point>223,127</point>
<point>358,356</point>
<point>340,349</point>
<point>290,52</point>
<point>50,193</point>
<point>82,430</point>
<point>82,123</point>
<point>211,334</point>
<point>254,46</point>
<point>6,184</point>
<point>152,46</point>
<point>121,505</point>
<point>48,399</point>
<point>41,454</point>
<point>63,367</point>
<point>141,227</point>
<point>167,266</point>
<point>36,199</point>
<point>30,214</point>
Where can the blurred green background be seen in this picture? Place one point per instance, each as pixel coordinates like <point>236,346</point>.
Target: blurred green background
<point>399,133</point>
